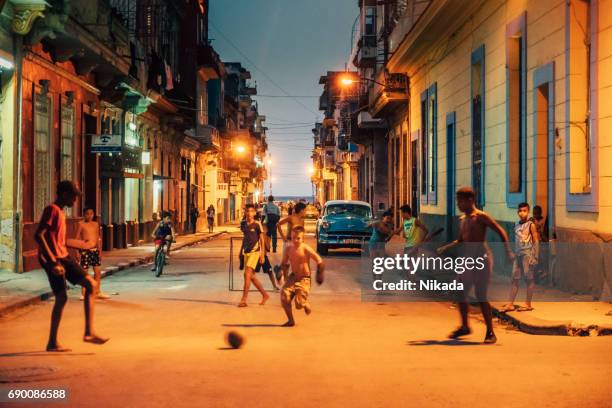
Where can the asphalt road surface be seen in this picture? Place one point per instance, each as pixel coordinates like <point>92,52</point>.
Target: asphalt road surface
<point>167,348</point>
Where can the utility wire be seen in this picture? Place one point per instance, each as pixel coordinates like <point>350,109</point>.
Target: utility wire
<point>260,70</point>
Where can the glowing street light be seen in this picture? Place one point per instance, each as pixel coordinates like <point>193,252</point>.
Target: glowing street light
<point>346,81</point>
<point>311,170</point>
<point>240,149</point>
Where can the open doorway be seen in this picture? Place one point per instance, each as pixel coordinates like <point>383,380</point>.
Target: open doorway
<point>544,177</point>
<point>414,172</point>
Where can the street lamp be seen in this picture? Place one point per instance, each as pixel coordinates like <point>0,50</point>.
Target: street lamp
<point>240,149</point>
<point>347,80</point>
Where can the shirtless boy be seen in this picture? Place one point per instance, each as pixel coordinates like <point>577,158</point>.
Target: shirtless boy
<point>294,219</point>
<point>60,266</point>
<point>474,224</point>
<point>88,230</point>
<point>297,285</point>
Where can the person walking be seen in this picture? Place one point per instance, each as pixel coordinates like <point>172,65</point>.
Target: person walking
<point>272,214</point>
<point>194,213</point>
<point>210,216</point>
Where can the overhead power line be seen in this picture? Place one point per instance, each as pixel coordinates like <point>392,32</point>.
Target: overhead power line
<point>259,69</point>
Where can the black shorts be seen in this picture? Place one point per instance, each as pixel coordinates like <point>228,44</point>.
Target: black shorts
<point>90,257</point>
<point>74,274</point>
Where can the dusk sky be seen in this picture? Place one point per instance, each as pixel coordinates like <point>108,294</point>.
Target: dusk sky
<point>293,42</point>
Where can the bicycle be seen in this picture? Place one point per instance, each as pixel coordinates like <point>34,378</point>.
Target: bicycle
<point>160,257</point>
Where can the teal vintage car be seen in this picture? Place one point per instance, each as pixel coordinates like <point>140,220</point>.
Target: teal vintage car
<point>343,224</point>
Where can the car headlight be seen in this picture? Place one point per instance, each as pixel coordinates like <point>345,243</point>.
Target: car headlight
<point>324,224</point>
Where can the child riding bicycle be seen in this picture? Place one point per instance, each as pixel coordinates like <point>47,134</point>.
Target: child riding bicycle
<point>162,234</point>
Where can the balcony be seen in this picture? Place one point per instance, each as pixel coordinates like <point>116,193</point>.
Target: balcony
<point>384,100</point>
<point>126,164</point>
<point>209,62</point>
<point>209,138</point>
<point>244,101</point>
<point>365,57</point>
<point>323,102</point>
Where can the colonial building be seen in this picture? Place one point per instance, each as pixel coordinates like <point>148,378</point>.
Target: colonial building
<point>508,97</point>
<point>127,99</point>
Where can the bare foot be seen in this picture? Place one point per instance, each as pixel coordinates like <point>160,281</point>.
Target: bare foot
<point>95,339</point>
<point>242,304</point>
<point>289,324</point>
<point>264,299</point>
<point>507,308</point>
<point>57,348</point>
<point>307,309</point>
<point>490,338</point>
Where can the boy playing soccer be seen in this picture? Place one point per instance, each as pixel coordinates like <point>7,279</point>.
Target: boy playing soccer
<point>60,266</point>
<point>254,251</point>
<point>294,219</point>
<point>474,224</point>
<point>526,248</point>
<point>297,285</point>
<point>410,228</point>
<point>89,230</point>
<point>381,232</point>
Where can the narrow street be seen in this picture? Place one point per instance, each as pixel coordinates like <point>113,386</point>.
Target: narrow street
<point>167,347</point>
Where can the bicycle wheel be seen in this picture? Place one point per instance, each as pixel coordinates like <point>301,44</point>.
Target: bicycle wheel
<point>161,259</point>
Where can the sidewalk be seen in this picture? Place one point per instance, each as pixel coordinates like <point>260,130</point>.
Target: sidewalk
<point>555,312</point>
<point>19,290</point>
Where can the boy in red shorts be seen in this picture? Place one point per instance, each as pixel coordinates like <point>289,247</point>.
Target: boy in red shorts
<point>60,266</point>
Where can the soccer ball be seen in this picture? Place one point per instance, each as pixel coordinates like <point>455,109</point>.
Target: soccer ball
<point>234,339</point>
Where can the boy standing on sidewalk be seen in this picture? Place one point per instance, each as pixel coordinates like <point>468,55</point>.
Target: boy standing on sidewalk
<point>89,230</point>
<point>526,246</point>
<point>297,285</point>
<point>60,266</point>
<point>472,232</point>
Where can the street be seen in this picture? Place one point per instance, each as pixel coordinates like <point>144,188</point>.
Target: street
<point>167,348</point>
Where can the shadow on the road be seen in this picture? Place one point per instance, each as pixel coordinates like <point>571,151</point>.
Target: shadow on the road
<point>246,325</point>
<point>42,353</point>
<point>340,254</point>
<point>118,304</point>
<point>218,302</point>
<point>449,342</point>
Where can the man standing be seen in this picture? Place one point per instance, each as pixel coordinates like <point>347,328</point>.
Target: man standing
<point>194,214</point>
<point>272,213</point>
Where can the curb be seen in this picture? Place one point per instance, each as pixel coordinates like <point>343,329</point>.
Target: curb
<point>108,271</point>
<point>533,325</point>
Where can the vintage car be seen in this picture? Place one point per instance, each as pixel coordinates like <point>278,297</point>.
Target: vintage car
<point>343,224</point>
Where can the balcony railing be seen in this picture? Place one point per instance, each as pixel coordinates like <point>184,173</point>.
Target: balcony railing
<point>209,137</point>
<point>391,96</point>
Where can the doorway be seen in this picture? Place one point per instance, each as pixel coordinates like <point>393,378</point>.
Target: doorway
<point>450,174</point>
<point>90,171</point>
<point>543,161</point>
<point>414,172</point>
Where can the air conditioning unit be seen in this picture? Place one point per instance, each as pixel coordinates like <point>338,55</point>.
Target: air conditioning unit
<point>366,121</point>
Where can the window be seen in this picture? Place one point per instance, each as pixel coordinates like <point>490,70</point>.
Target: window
<point>429,144</point>
<point>478,137</point>
<point>515,106</point>
<point>43,156</point>
<point>583,111</point>
<point>67,142</point>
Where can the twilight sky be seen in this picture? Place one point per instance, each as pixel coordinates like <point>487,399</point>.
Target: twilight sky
<point>294,42</point>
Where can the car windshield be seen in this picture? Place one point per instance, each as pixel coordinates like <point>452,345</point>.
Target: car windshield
<point>355,210</point>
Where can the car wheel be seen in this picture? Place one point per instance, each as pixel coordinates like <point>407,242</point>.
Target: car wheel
<point>321,248</point>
